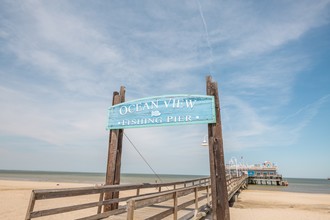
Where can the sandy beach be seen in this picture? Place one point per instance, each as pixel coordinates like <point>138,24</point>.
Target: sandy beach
<point>255,205</point>
<point>15,196</point>
<point>252,204</point>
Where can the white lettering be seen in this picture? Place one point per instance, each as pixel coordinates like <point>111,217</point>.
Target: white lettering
<point>180,118</point>
<point>190,104</point>
<point>154,104</point>
<point>155,120</point>
<point>130,108</point>
<point>123,110</point>
<point>176,103</point>
<point>145,106</point>
<point>167,103</point>
<point>138,107</point>
<point>123,122</point>
<point>169,118</point>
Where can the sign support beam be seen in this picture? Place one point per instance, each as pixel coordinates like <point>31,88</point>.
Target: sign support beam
<point>220,206</point>
<point>114,155</point>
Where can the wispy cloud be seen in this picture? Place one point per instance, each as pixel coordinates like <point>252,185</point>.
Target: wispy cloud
<point>245,30</point>
<point>305,114</point>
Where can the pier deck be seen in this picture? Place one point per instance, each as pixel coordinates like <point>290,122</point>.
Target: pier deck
<point>179,200</point>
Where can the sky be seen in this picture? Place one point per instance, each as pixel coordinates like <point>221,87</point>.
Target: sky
<point>61,61</point>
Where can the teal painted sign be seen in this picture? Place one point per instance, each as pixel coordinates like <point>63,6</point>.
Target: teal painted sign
<point>162,111</point>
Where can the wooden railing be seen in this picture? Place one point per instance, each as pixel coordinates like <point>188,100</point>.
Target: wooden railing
<point>101,190</point>
<point>165,192</point>
<point>233,185</point>
<point>146,201</point>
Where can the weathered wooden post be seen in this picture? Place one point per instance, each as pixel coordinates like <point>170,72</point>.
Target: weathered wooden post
<point>114,155</point>
<point>220,206</point>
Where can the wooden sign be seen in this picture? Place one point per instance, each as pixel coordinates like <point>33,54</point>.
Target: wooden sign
<point>162,111</point>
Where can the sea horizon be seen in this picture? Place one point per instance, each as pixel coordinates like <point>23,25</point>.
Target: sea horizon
<point>303,185</point>
<point>91,177</point>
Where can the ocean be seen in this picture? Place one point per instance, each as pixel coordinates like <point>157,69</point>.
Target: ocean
<point>303,185</point>
<point>295,184</point>
<point>93,178</point>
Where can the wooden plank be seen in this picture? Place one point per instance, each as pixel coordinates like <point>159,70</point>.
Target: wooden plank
<point>64,209</point>
<point>51,194</point>
<point>120,210</point>
<point>54,211</point>
<point>139,203</point>
<point>161,215</point>
<point>70,192</point>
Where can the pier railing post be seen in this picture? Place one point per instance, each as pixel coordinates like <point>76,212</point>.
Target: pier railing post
<point>31,206</point>
<point>99,208</point>
<point>130,209</point>
<point>196,201</point>
<point>175,201</point>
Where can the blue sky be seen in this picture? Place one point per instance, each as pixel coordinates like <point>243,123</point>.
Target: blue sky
<point>60,62</point>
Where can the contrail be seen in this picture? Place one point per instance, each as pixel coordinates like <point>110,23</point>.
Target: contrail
<point>206,33</point>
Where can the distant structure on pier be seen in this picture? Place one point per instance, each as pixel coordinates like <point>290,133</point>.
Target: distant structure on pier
<point>265,169</point>
<point>264,174</point>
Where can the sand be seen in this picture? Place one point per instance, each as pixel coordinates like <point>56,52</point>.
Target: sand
<point>255,205</point>
<point>15,196</point>
<point>251,204</point>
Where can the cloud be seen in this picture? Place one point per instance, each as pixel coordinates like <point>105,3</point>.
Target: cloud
<point>256,130</point>
<point>303,116</point>
<point>241,29</point>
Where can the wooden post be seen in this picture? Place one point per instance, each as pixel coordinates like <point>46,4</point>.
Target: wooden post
<point>175,206</point>
<point>114,155</point>
<point>220,207</point>
<point>196,202</point>
<point>130,209</point>
<point>99,208</point>
<point>31,205</point>
<point>208,195</point>
<point>119,152</point>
